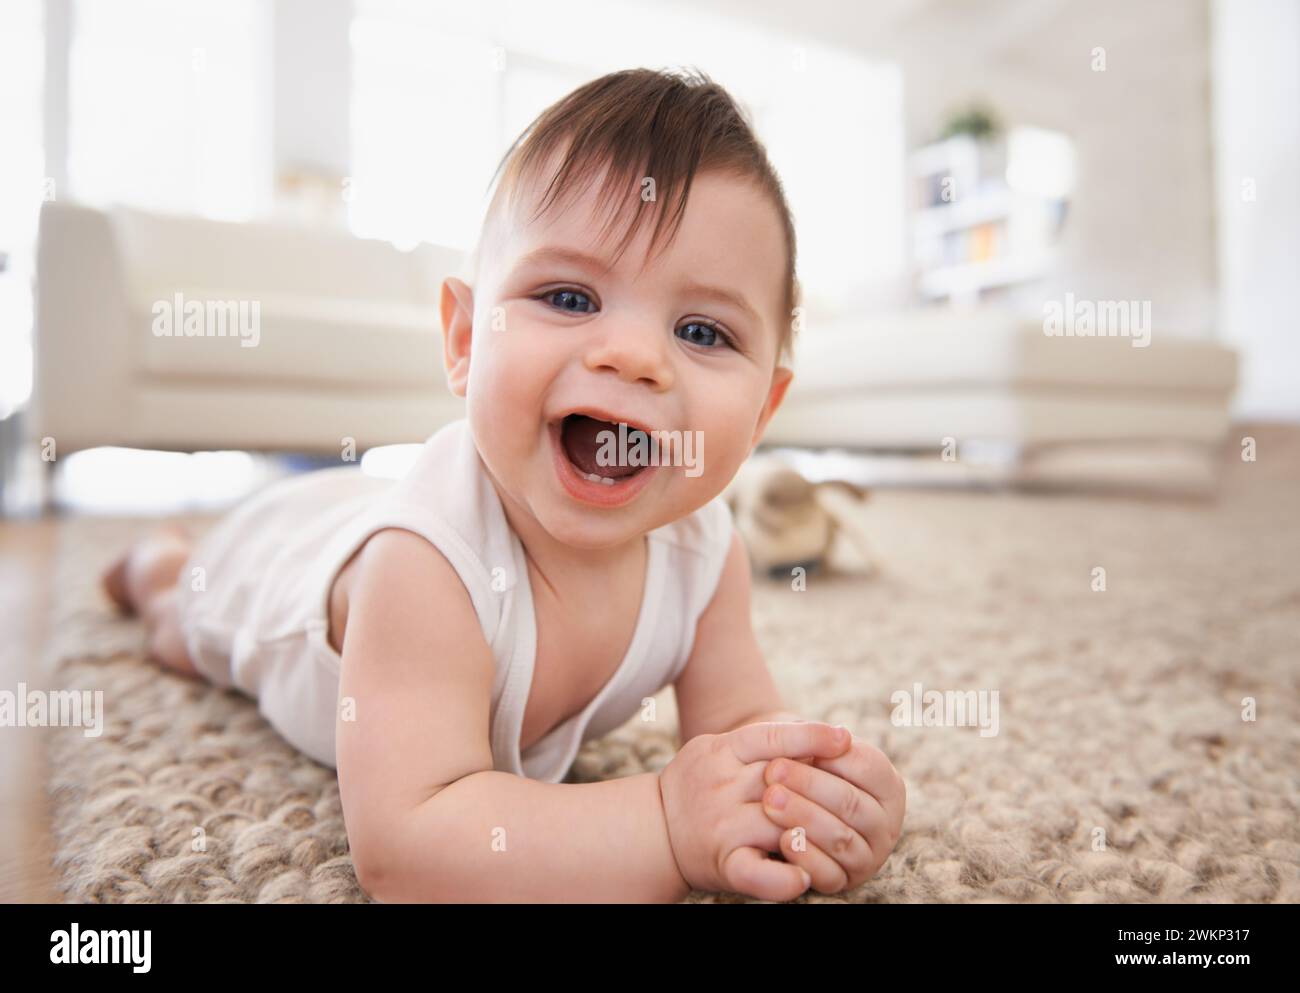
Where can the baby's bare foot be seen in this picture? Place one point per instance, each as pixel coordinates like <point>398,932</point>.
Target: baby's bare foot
<point>148,566</point>
<point>143,581</point>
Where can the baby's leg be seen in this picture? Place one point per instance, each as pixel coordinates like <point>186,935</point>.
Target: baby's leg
<point>143,581</point>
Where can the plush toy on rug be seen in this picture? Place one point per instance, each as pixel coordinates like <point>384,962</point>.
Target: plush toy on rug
<point>786,521</point>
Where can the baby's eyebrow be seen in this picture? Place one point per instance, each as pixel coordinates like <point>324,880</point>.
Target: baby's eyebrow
<point>555,253</point>
<point>719,293</point>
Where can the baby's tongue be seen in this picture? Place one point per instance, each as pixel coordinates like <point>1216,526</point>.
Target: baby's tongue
<point>580,435</point>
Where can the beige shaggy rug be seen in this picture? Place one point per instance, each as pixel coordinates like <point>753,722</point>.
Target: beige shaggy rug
<point>1122,768</point>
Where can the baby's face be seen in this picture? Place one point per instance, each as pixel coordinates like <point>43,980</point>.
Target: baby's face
<point>684,349</point>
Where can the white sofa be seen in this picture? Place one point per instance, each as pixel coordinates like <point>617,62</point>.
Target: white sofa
<point>910,379</point>
<point>348,344</point>
<point>350,347</point>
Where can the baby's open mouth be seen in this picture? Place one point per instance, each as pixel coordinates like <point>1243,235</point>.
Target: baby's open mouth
<point>589,442</point>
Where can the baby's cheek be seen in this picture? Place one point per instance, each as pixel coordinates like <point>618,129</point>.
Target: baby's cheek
<point>504,381</point>
<point>497,425</point>
<point>722,450</point>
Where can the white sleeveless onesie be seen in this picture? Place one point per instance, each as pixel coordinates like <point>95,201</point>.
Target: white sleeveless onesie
<point>256,617</point>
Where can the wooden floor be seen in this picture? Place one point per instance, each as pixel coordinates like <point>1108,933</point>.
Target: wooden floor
<point>26,567</point>
<point>27,549</point>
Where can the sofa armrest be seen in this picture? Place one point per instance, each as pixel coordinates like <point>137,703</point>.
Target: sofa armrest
<point>83,359</point>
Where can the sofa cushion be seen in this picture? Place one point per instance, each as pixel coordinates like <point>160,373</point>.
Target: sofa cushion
<point>289,339</point>
<point>942,348</point>
<point>170,251</point>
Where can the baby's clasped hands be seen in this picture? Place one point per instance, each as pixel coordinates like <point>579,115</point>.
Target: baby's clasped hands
<point>841,815</point>
<point>841,818</point>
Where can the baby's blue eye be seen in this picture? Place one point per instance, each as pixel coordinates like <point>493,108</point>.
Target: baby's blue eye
<point>568,300</point>
<point>699,333</point>
<point>703,334</point>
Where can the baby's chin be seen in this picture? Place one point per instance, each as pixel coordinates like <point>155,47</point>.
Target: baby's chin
<point>592,529</point>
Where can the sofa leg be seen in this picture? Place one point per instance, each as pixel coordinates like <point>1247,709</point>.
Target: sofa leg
<point>49,471</point>
<point>26,479</point>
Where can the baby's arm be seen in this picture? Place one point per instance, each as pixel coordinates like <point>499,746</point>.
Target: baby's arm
<point>846,811</point>
<point>428,818</point>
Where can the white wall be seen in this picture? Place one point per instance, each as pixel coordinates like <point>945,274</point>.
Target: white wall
<point>1140,223</point>
<point>1257,141</point>
<point>312,87</point>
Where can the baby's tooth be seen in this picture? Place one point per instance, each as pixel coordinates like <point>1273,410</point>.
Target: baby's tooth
<point>607,481</point>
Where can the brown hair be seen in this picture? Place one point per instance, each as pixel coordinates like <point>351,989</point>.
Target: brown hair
<point>664,124</point>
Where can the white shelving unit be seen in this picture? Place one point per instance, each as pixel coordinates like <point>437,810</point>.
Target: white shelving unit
<point>987,213</point>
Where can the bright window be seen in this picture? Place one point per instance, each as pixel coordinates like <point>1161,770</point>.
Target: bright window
<point>165,105</point>
<point>439,94</point>
<point>22,188</point>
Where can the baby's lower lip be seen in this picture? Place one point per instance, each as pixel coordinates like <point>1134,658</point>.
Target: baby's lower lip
<point>585,490</point>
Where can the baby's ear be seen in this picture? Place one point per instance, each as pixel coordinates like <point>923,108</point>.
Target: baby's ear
<point>781,377</point>
<point>457,309</point>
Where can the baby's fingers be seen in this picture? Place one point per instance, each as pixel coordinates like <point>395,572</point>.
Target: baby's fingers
<point>827,875</point>
<point>784,739</point>
<point>753,873</point>
<point>867,768</point>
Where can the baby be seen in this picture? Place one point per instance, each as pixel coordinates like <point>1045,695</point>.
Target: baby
<point>552,560</point>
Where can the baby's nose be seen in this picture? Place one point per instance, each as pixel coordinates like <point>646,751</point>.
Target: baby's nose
<point>635,356</point>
